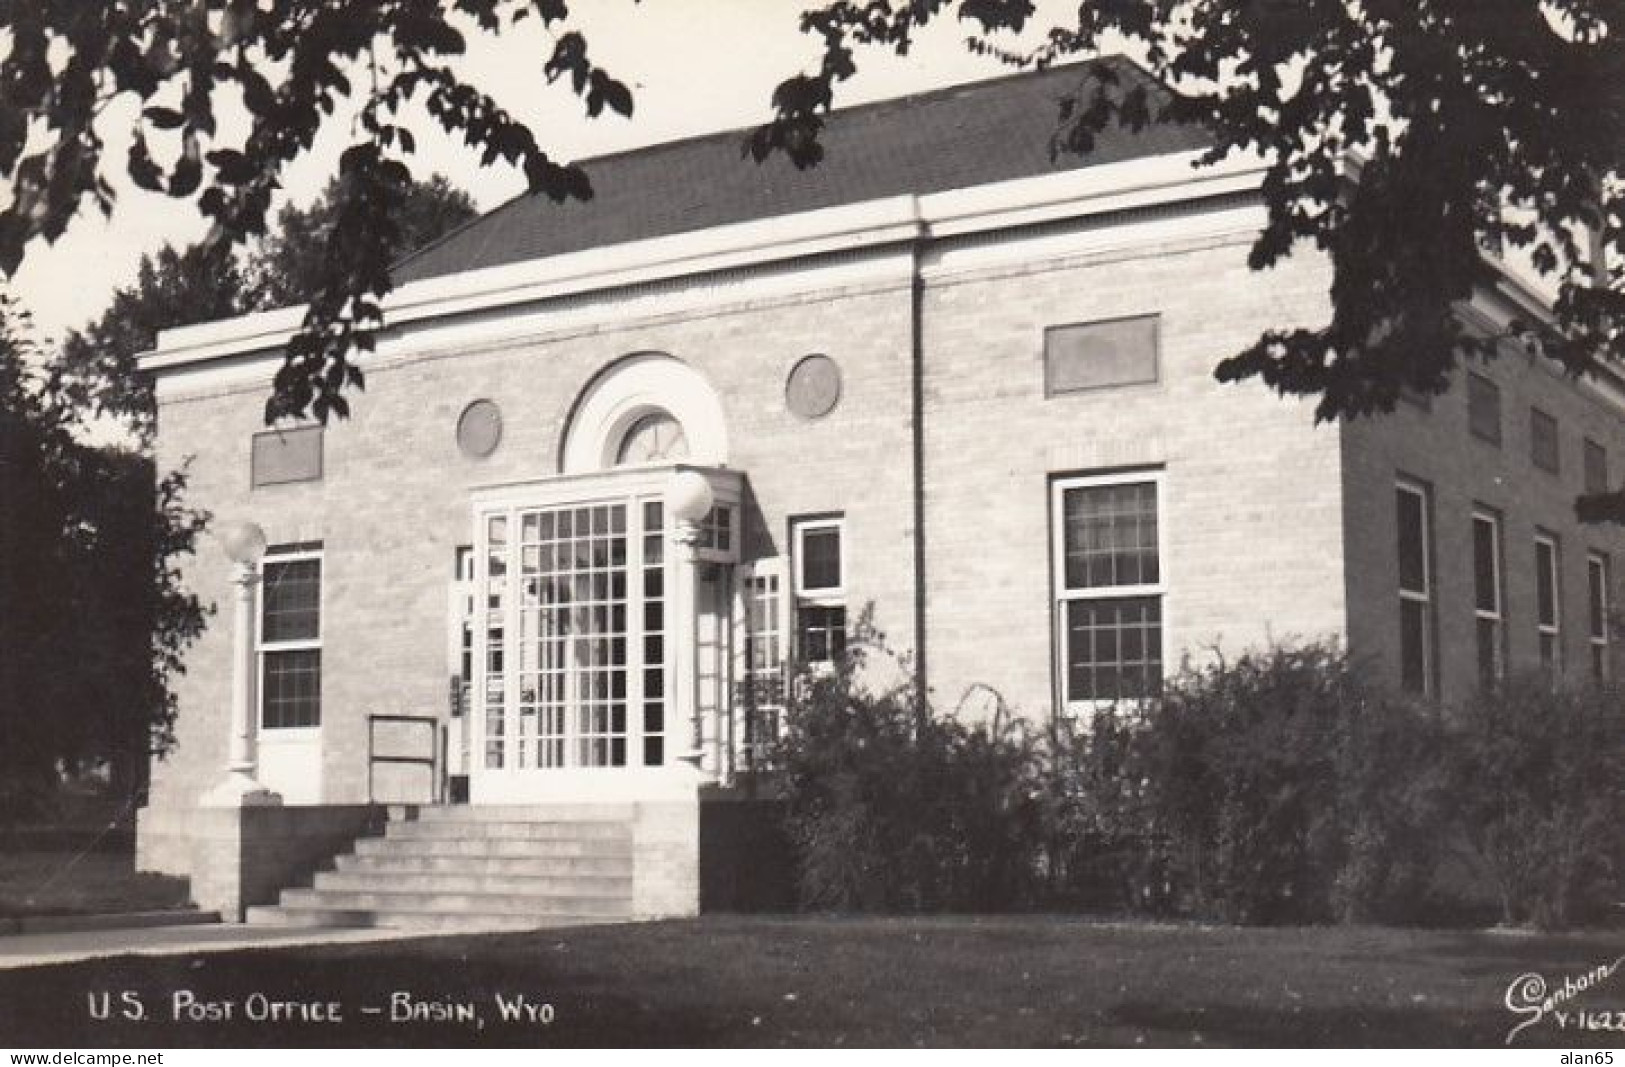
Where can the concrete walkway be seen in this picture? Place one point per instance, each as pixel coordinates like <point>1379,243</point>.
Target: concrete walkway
<point>34,950</point>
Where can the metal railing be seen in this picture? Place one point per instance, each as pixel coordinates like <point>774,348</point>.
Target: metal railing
<point>434,760</point>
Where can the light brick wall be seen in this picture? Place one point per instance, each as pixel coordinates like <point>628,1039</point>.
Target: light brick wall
<point>393,503</point>
<point>1276,529</point>
<point>1252,514</point>
<point>1435,447</point>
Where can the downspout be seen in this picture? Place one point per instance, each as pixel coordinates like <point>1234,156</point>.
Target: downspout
<point>922,707</point>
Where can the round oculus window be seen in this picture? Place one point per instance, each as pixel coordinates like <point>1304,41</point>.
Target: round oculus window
<point>479,429</point>
<point>814,387</point>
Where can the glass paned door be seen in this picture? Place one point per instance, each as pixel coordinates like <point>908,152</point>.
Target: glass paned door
<point>570,655</point>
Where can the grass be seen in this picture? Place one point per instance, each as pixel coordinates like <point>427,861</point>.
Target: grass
<point>728,981</point>
<point>74,883</point>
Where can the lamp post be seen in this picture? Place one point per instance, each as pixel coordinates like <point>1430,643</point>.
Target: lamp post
<point>245,545</point>
<point>688,502</point>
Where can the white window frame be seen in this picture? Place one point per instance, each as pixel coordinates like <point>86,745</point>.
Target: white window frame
<point>1498,615</point>
<point>1598,576</point>
<point>263,648</point>
<point>1552,629</point>
<point>829,595</point>
<point>1061,595</point>
<point>1424,596</point>
<point>820,596</point>
<point>764,581</point>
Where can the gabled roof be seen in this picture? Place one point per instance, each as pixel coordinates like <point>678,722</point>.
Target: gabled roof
<point>952,138</point>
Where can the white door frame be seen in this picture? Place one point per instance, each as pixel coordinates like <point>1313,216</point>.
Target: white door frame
<point>630,488</point>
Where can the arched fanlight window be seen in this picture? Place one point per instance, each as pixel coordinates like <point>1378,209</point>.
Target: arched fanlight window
<point>654,438</point>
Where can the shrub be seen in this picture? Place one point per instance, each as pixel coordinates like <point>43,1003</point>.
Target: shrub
<point>1095,848</point>
<point>890,807</point>
<point>1275,788</point>
<point>1537,779</point>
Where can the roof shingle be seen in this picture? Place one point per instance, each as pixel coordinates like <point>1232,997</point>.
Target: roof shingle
<point>930,142</point>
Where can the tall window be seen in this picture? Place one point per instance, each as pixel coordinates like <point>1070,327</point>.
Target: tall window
<point>1483,408</point>
<point>1415,588</point>
<point>1597,612</point>
<point>1109,587</point>
<point>291,638</point>
<point>462,613</point>
<point>820,588</point>
<point>1596,467</point>
<point>654,634</point>
<point>762,689</point>
<point>1487,610</point>
<point>1545,451</point>
<point>1548,607</point>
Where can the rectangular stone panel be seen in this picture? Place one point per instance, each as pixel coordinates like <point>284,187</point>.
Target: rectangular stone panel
<point>283,456</point>
<point>1093,355</point>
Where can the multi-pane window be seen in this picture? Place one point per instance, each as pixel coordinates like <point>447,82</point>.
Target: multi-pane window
<point>1548,606</point>
<point>1489,618</point>
<point>291,639</point>
<point>762,692</point>
<point>1483,408</point>
<point>463,621</point>
<point>1109,588</point>
<point>1596,467</point>
<point>1544,450</point>
<point>654,634</point>
<point>573,655</point>
<point>716,529</point>
<point>820,589</point>
<point>1415,588</point>
<point>1597,612</point>
<point>494,669</point>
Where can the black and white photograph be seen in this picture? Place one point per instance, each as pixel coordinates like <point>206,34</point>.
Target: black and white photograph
<point>558,524</point>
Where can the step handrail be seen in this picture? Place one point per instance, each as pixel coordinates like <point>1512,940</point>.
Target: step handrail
<point>437,782</point>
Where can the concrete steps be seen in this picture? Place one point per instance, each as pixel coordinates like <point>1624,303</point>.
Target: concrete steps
<point>532,813</point>
<point>507,830</point>
<point>517,848</point>
<point>431,863</point>
<point>452,922</point>
<point>462,868</point>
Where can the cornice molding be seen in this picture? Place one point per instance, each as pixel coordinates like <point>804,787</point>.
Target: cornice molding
<point>870,225</point>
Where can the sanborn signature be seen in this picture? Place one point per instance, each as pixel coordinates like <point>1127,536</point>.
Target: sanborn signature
<point>1529,996</point>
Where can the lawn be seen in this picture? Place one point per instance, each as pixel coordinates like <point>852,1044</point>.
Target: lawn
<point>76,883</point>
<point>819,981</point>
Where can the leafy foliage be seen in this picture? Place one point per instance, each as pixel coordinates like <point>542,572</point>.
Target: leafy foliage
<point>286,268</point>
<point>1476,124</point>
<point>95,616</point>
<point>1538,793</point>
<point>95,371</point>
<point>890,811</point>
<point>1278,788</point>
<point>290,65</point>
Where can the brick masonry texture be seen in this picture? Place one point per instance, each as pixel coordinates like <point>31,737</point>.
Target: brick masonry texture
<point>1276,529</point>
<point>1251,498</point>
<point>393,504</point>
<point>1433,446</point>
